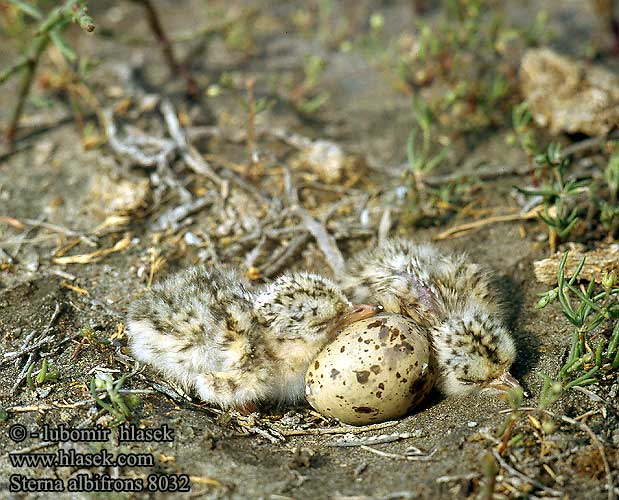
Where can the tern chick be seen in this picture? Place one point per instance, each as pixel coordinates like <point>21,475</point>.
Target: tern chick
<point>209,331</point>
<point>449,295</point>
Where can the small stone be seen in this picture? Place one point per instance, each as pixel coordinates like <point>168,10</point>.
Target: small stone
<point>326,158</point>
<point>567,95</point>
<point>192,239</point>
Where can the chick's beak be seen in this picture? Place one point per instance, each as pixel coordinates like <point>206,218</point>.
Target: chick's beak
<point>357,314</point>
<point>504,384</point>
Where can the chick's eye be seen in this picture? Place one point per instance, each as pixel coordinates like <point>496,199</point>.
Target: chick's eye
<point>468,381</point>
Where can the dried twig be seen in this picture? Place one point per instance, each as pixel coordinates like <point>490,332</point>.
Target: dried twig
<point>385,225</point>
<point>50,406</point>
<point>95,256</point>
<point>594,439</point>
<point>396,495</point>
<point>131,145</point>
<point>524,477</point>
<point>166,46</point>
<point>10,356</point>
<point>461,230</point>
<point>251,128</point>
<point>57,19</point>
<point>326,242</point>
<point>337,430</point>
<point>171,218</point>
<point>598,445</point>
<point>22,374</point>
<point>60,229</point>
<point>372,440</point>
<point>32,356</point>
<point>457,477</point>
<point>192,158</point>
<point>283,255</point>
<point>410,458</point>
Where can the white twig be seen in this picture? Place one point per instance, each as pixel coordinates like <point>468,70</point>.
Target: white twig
<point>410,458</point>
<point>524,477</point>
<point>129,147</point>
<point>190,155</point>
<point>372,440</point>
<point>326,242</point>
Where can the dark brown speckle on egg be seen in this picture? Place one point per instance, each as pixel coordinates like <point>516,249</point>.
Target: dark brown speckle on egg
<point>364,409</point>
<point>362,376</point>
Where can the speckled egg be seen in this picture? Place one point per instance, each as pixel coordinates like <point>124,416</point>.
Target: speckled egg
<point>375,370</point>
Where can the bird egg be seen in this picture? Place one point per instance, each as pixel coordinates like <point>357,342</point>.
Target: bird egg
<point>376,369</point>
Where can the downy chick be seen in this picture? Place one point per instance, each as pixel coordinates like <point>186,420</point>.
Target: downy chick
<point>301,312</point>
<point>198,327</point>
<point>453,298</point>
<point>207,330</point>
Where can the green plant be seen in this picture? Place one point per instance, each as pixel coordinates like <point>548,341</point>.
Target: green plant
<point>463,53</point>
<point>521,122</point>
<point>49,30</point>
<point>593,356</point>
<point>561,211</point>
<point>421,161</point>
<point>306,97</point>
<point>119,406</point>
<point>47,373</point>
<point>594,312</point>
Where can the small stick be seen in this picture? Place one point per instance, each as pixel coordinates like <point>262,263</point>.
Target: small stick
<point>59,229</point>
<point>243,184</point>
<point>171,218</point>
<point>396,495</point>
<point>609,478</point>
<point>38,46</point>
<point>193,159</point>
<point>457,231</point>
<point>46,407</point>
<point>326,242</point>
<point>283,255</point>
<point>414,458</point>
<point>264,434</point>
<point>385,225</point>
<point>10,357</point>
<point>594,439</point>
<point>338,430</point>
<point>22,374</point>
<point>457,477</point>
<point>166,46</point>
<point>130,149</point>
<point>524,477</point>
<point>372,440</point>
